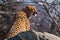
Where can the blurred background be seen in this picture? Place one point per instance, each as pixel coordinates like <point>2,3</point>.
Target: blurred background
<point>48,19</point>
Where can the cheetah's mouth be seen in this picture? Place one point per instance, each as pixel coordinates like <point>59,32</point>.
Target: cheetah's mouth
<point>35,13</point>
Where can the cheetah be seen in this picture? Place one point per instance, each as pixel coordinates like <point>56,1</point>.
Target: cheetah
<point>22,23</point>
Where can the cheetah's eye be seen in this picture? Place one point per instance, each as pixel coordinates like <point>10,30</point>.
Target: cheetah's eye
<point>34,10</point>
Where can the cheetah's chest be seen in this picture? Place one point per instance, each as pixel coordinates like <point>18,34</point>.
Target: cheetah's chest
<point>20,25</point>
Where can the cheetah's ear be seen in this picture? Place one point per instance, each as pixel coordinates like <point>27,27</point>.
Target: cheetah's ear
<point>26,8</point>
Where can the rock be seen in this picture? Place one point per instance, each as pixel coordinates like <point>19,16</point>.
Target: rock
<point>33,35</point>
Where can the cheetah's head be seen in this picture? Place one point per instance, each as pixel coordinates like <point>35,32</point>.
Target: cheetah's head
<point>31,11</point>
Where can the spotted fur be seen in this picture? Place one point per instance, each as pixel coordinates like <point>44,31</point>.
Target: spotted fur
<point>22,22</point>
